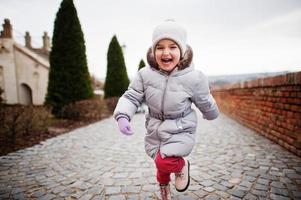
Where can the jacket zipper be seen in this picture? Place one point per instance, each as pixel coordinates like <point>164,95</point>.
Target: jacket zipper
<point>163,98</point>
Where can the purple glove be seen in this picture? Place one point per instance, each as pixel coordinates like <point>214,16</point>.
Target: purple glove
<point>124,126</point>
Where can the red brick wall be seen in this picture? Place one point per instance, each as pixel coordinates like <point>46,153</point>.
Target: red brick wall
<point>270,106</point>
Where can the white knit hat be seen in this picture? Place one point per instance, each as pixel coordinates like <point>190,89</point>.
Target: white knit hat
<point>170,30</point>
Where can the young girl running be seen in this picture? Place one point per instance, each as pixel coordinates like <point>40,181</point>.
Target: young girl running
<point>168,86</point>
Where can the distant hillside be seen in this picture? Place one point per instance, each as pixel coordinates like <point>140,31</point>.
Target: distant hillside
<point>225,79</point>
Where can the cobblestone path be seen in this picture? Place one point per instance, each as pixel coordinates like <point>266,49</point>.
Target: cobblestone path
<point>229,161</point>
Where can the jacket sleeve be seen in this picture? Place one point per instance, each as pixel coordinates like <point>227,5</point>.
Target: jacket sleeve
<point>203,99</point>
<point>132,98</point>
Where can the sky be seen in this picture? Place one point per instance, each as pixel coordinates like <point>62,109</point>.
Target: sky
<point>227,37</point>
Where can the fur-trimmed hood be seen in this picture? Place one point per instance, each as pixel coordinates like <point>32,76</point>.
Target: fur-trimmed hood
<point>184,62</point>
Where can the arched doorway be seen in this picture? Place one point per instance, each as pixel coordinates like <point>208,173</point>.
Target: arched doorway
<point>25,94</point>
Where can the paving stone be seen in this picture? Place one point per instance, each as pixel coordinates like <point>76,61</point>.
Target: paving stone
<point>150,188</point>
<point>263,181</point>
<point>261,187</point>
<point>207,183</point>
<point>122,182</point>
<point>242,188</point>
<point>152,180</point>
<point>220,187</point>
<point>131,189</point>
<point>39,193</point>
<point>234,180</point>
<point>135,175</point>
<point>146,195</point>
<point>58,189</point>
<point>250,196</point>
<point>265,168</point>
<point>17,190</point>
<point>78,194</point>
<point>68,182</point>
<point>249,178</point>
<point>86,197</point>
<point>132,197</point>
<point>259,193</point>
<point>195,187</point>
<point>66,193</point>
<point>107,181</point>
<point>297,194</point>
<point>186,197</point>
<point>277,191</point>
<point>277,184</point>
<point>298,181</point>
<point>212,197</point>
<point>97,189</point>
<point>120,175</point>
<point>292,187</point>
<point>4,196</point>
<point>294,176</point>
<point>19,196</point>
<point>278,197</point>
<point>246,184</point>
<point>298,169</point>
<point>47,197</point>
<point>236,173</point>
<point>200,193</point>
<point>269,177</point>
<point>113,190</point>
<point>274,169</point>
<point>285,180</point>
<point>237,193</point>
<point>223,194</point>
<point>253,174</point>
<point>234,198</point>
<point>4,190</point>
<point>209,189</point>
<point>276,173</point>
<point>117,197</point>
<point>139,181</point>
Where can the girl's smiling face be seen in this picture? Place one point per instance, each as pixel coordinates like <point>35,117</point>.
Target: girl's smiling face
<point>167,54</point>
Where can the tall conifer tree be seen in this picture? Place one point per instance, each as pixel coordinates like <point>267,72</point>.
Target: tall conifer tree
<point>141,64</point>
<point>69,78</point>
<point>117,80</point>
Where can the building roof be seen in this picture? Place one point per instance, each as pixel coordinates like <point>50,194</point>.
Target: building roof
<point>33,55</point>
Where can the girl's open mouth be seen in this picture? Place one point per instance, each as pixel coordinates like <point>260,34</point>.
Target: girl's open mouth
<point>166,60</point>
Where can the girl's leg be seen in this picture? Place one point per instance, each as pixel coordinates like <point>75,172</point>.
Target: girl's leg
<point>165,192</point>
<point>166,166</point>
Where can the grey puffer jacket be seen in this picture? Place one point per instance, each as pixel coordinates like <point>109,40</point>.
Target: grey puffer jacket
<point>171,122</point>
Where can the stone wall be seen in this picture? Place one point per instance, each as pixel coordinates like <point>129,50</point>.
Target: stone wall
<point>32,71</point>
<point>8,68</point>
<point>270,106</point>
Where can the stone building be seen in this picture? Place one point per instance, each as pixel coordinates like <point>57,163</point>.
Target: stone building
<point>23,69</point>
